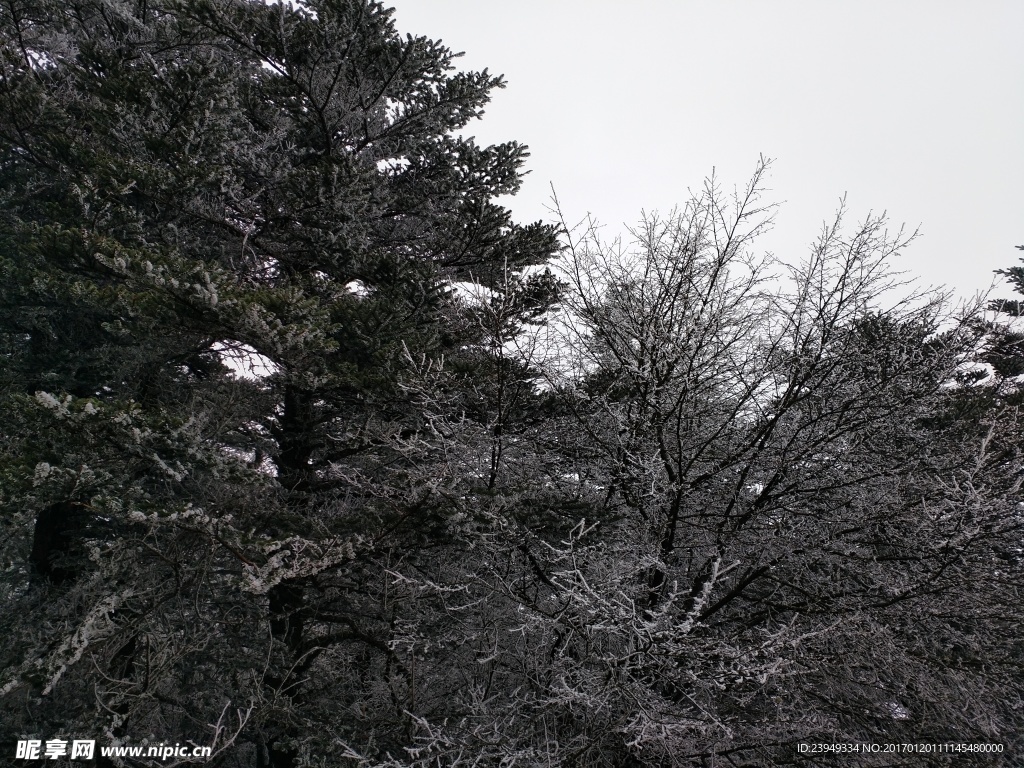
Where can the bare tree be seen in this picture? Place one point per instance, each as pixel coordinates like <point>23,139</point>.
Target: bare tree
<point>767,552</point>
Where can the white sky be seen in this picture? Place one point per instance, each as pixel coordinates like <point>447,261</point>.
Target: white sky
<point>912,107</point>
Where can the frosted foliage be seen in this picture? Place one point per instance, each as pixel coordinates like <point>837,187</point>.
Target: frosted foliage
<point>312,455</point>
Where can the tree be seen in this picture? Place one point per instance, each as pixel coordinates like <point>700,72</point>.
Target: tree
<point>190,188</point>
<point>1005,344</point>
<point>788,549</point>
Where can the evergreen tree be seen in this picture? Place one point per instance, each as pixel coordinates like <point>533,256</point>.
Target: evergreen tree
<point>1004,350</point>
<point>191,188</point>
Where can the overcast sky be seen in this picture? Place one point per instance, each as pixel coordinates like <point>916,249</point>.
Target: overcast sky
<point>915,108</point>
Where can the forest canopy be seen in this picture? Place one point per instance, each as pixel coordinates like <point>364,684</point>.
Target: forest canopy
<point>313,456</point>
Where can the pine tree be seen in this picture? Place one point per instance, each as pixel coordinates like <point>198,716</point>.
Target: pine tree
<point>191,188</point>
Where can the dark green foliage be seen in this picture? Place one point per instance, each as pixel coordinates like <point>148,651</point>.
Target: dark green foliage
<point>1016,277</point>
<point>186,189</point>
